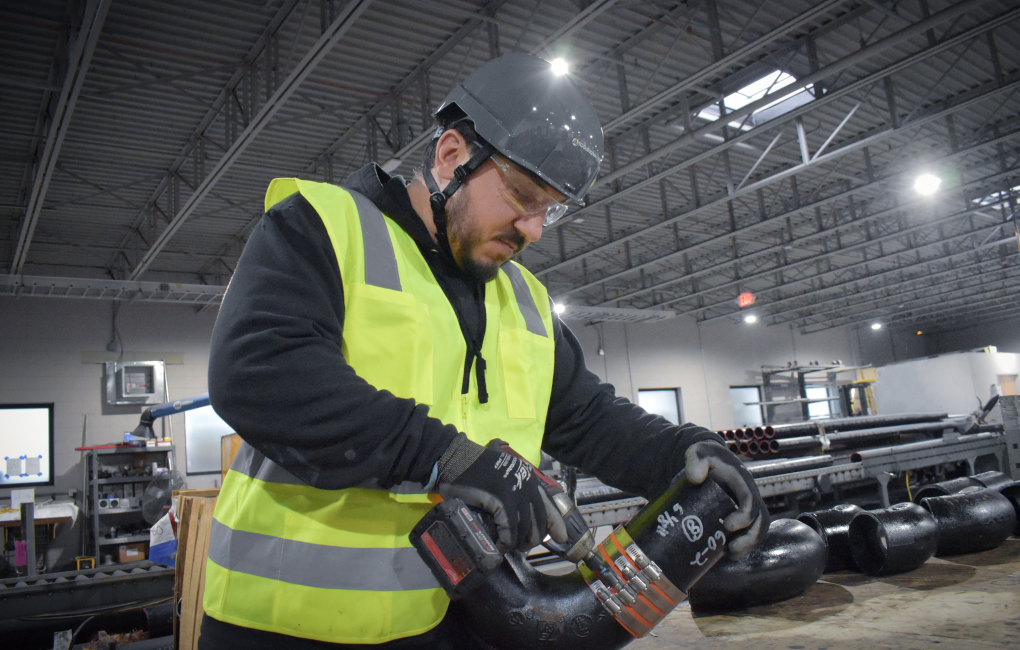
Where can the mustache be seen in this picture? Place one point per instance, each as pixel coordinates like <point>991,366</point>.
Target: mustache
<point>515,239</point>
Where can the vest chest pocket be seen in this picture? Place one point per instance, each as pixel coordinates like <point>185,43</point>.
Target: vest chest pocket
<point>388,341</point>
<point>527,364</point>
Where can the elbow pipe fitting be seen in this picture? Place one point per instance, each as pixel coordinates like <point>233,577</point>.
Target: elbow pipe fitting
<point>629,583</point>
<point>894,540</point>
<point>1012,492</point>
<point>995,480</point>
<point>971,521</point>
<point>833,525</point>
<point>790,559</point>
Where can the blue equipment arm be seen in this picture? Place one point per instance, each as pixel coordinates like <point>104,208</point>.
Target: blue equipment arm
<point>149,415</point>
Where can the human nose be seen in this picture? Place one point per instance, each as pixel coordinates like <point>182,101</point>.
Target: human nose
<point>530,225</point>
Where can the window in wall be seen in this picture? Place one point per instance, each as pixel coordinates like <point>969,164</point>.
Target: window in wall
<point>744,414</point>
<point>203,429</point>
<point>662,401</point>
<point>818,409</point>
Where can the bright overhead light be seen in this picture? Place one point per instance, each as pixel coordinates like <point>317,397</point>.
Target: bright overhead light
<point>750,318</point>
<point>876,326</point>
<point>559,66</point>
<point>927,184</point>
<point>559,308</point>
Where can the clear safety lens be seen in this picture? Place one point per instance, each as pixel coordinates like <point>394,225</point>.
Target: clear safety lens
<point>524,194</point>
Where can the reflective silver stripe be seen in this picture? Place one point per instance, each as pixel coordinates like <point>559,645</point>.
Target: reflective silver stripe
<point>380,260</point>
<point>254,464</point>
<point>318,565</point>
<point>525,301</point>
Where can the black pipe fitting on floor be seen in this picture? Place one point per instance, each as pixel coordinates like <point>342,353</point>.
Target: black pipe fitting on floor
<point>1012,492</point>
<point>833,525</point>
<point>630,583</point>
<point>996,480</point>
<point>790,559</point>
<point>974,520</point>
<point>897,539</point>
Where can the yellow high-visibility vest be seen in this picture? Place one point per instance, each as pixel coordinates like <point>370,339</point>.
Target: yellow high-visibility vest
<point>337,565</point>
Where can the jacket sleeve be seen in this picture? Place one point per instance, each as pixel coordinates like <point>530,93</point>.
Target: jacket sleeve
<point>278,377</point>
<point>607,436</point>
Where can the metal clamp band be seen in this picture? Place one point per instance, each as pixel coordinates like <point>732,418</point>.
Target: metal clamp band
<point>630,587</point>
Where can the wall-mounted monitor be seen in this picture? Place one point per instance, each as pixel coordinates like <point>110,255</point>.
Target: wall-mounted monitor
<point>26,445</point>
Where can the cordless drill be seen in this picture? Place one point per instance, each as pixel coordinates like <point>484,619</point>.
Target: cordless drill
<point>456,543</point>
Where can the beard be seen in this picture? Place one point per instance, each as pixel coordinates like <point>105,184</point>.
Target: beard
<point>466,237</point>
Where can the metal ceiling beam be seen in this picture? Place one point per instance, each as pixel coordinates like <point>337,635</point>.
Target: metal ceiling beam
<point>100,289</point>
<point>772,179</point>
<point>82,47</point>
<point>419,141</point>
<point>754,231</point>
<point>722,64</point>
<point>211,114</point>
<point>779,122</point>
<point>896,291</point>
<point>462,32</point>
<point>823,234</point>
<point>830,70</point>
<point>970,300</point>
<point>348,15</point>
<point>859,294</point>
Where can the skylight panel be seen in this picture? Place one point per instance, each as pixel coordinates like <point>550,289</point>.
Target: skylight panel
<point>754,91</point>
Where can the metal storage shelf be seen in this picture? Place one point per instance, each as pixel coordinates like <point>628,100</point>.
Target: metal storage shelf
<point>115,541</point>
<point>132,517</point>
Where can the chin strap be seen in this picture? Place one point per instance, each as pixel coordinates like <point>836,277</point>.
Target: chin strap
<point>439,197</point>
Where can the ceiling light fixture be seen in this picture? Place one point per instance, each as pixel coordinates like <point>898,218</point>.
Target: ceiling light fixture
<point>876,326</point>
<point>927,184</point>
<point>559,66</point>
<point>750,318</point>
<point>559,308</point>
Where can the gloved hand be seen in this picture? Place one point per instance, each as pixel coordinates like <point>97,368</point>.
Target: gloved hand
<point>496,480</point>
<point>710,459</point>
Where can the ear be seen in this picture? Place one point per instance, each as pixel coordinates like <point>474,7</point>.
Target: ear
<point>451,152</point>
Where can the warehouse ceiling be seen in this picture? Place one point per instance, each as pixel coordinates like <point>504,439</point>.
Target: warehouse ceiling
<point>138,138</point>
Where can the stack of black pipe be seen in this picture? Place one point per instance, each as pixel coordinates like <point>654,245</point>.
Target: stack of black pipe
<point>804,438</point>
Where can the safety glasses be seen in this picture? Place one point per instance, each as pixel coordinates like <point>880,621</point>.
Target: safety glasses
<point>524,194</point>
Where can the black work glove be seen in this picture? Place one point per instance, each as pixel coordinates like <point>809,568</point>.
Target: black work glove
<point>496,480</point>
<point>707,459</point>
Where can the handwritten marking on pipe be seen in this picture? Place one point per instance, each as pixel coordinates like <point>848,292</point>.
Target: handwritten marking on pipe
<point>692,527</point>
<point>714,542</point>
<point>667,521</point>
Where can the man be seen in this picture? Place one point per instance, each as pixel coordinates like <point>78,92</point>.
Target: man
<point>376,344</point>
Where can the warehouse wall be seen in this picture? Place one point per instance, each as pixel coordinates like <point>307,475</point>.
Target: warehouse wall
<point>41,353</point>
<point>703,361</point>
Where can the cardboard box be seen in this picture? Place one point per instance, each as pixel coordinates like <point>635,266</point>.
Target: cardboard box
<point>135,552</point>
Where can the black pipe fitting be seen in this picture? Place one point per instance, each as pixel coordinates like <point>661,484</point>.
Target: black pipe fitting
<point>971,521</point>
<point>790,559</point>
<point>994,480</point>
<point>833,525</point>
<point>897,539</point>
<point>1012,492</point>
<point>942,488</point>
<point>679,536</point>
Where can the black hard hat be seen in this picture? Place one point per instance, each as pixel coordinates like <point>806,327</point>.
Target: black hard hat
<point>535,117</point>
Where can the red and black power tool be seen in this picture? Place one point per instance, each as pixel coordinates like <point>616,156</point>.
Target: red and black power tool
<point>457,544</point>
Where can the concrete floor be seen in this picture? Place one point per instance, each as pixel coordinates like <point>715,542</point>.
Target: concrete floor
<point>965,602</point>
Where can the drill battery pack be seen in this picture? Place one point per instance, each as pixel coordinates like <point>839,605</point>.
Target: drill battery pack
<point>454,542</point>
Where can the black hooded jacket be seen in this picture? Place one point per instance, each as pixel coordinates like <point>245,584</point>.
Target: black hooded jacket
<point>278,377</point>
